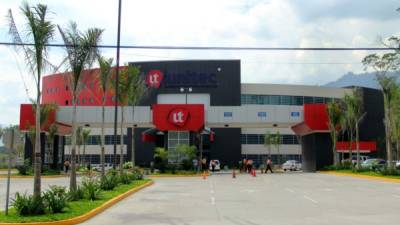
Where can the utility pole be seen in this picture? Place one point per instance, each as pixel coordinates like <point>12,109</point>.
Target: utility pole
<point>9,142</point>
<point>116,87</point>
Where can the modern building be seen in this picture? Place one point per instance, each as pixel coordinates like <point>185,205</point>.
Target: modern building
<point>204,103</point>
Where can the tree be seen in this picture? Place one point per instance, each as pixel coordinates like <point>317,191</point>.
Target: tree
<point>335,115</point>
<point>39,31</point>
<point>382,64</point>
<point>130,82</point>
<point>359,115</point>
<point>81,51</point>
<point>85,137</point>
<point>350,117</point>
<point>277,143</point>
<point>78,144</point>
<point>268,141</point>
<point>50,138</point>
<point>104,82</point>
<point>138,90</point>
<point>161,159</point>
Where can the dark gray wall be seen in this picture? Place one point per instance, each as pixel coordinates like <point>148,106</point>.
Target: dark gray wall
<point>226,147</point>
<point>316,151</point>
<point>225,93</point>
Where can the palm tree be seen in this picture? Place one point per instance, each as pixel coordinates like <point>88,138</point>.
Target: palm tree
<point>50,138</point>
<point>40,30</point>
<point>268,141</point>
<point>336,117</point>
<point>85,136</point>
<point>81,53</point>
<point>350,116</point>
<point>359,114</point>
<point>139,89</point>
<point>277,143</point>
<point>382,65</point>
<point>104,82</point>
<point>128,80</point>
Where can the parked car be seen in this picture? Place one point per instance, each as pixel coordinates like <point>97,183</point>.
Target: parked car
<point>217,165</point>
<point>398,164</point>
<point>354,159</point>
<point>97,167</point>
<point>373,164</point>
<point>291,165</point>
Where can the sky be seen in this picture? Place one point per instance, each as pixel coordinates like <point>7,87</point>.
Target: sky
<point>228,23</point>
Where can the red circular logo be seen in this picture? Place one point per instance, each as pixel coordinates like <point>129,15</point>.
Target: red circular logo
<point>178,117</point>
<point>154,78</point>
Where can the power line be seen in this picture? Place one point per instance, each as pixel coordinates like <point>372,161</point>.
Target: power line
<point>169,47</point>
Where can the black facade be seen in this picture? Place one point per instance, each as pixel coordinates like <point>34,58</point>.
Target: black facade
<point>317,147</point>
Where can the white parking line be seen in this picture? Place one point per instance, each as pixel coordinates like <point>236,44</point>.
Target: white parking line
<point>310,199</point>
<point>289,190</point>
<point>212,192</point>
<point>396,196</point>
<point>212,201</point>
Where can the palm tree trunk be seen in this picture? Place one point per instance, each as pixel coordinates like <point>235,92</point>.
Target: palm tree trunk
<point>37,158</point>
<point>121,153</point>
<point>334,157</point>
<point>133,147</point>
<point>388,133</point>
<point>84,154</point>
<point>398,148</point>
<point>102,141</point>
<point>357,147</point>
<point>72,183</point>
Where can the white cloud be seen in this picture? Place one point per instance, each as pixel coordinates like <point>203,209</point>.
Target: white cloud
<point>271,23</point>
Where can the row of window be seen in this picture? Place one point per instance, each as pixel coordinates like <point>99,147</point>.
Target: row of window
<point>282,99</point>
<point>95,159</point>
<point>95,140</point>
<point>276,159</point>
<point>258,139</point>
<point>84,101</point>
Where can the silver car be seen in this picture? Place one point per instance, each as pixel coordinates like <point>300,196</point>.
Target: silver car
<point>291,165</point>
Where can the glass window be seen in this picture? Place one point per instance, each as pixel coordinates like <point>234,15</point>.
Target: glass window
<point>308,99</point>
<point>297,100</point>
<point>252,139</point>
<point>274,100</point>
<point>253,99</point>
<point>243,139</point>
<point>318,100</point>
<point>286,100</point>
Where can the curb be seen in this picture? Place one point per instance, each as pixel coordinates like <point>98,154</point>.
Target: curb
<point>30,177</point>
<point>171,176</point>
<point>361,176</point>
<point>91,213</point>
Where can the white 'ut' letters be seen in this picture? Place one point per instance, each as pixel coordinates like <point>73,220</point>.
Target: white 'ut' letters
<point>177,117</point>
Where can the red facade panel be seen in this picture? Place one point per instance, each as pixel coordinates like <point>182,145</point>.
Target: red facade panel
<point>178,117</point>
<point>365,146</point>
<point>316,116</point>
<point>56,89</point>
<point>27,118</point>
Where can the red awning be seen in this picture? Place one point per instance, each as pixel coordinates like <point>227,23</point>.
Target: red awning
<point>365,146</point>
<point>315,120</point>
<point>63,129</point>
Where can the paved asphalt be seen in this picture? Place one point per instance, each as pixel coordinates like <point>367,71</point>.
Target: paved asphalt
<point>290,198</point>
<point>276,199</point>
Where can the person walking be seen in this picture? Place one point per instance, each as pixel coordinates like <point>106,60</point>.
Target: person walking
<point>269,166</point>
<point>213,166</point>
<point>204,165</point>
<point>66,165</point>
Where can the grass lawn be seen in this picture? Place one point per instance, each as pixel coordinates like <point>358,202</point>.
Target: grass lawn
<point>74,209</point>
<point>368,173</point>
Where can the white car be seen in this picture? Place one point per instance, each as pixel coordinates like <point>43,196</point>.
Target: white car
<point>398,164</point>
<point>291,165</point>
<point>97,167</point>
<point>217,165</point>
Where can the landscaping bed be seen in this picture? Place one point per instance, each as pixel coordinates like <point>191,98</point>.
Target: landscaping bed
<point>364,172</point>
<point>73,208</point>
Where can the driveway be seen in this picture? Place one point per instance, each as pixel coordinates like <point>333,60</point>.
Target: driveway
<point>289,198</point>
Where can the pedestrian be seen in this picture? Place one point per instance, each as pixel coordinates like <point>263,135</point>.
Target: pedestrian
<point>213,166</point>
<point>244,166</point>
<point>204,165</point>
<point>269,166</point>
<point>66,165</point>
<point>249,165</point>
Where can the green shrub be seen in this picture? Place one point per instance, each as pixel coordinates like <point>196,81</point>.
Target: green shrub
<point>25,169</point>
<point>126,178</point>
<point>28,204</point>
<point>55,198</point>
<point>91,189</point>
<point>76,195</point>
<point>389,171</point>
<point>137,175</point>
<point>128,165</point>
<point>109,182</point>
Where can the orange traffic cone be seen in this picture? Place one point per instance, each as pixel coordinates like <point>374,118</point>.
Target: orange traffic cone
<point>253,172</point>
<point>233,174</point>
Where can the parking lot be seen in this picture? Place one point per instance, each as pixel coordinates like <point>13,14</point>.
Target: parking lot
<point>289,198</point>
